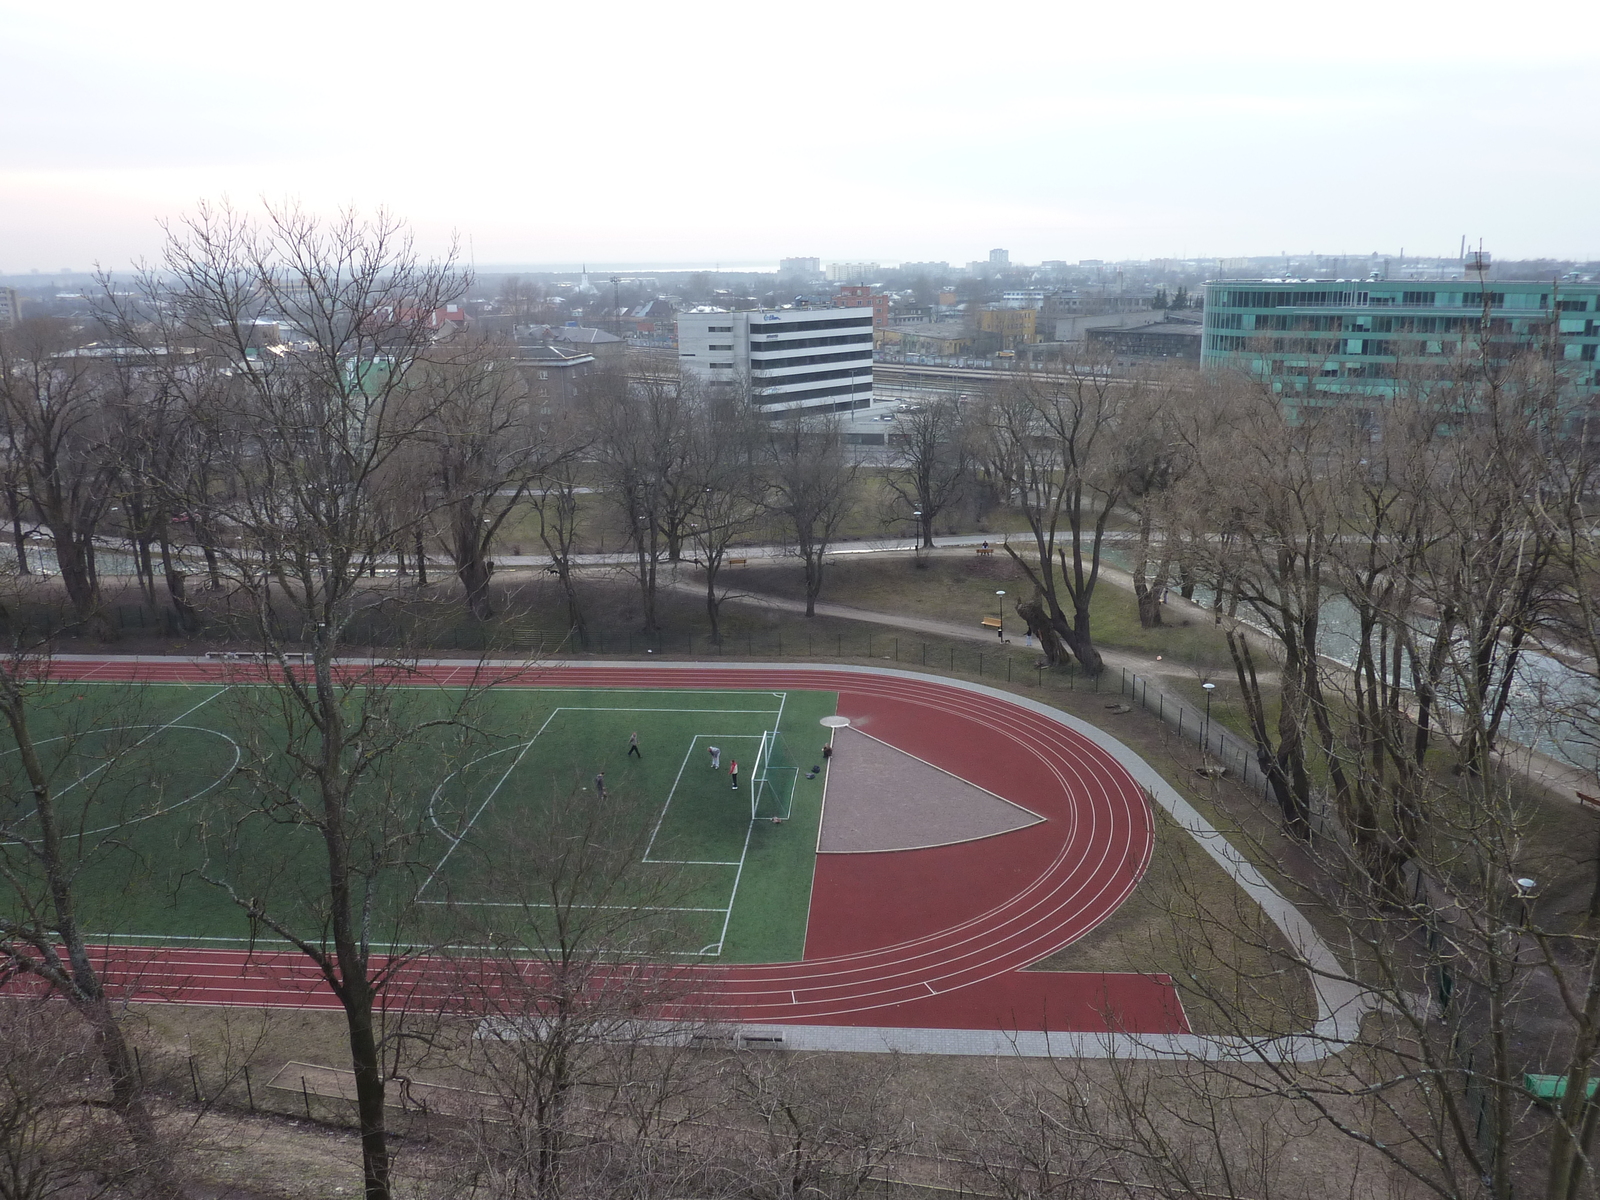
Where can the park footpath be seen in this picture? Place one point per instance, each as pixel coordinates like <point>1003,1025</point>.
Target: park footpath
<point>1143,672</point>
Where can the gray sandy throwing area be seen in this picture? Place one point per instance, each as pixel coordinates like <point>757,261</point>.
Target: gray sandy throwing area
<point>880,798</point>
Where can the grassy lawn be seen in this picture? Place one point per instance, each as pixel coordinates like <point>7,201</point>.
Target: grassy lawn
<point>960,586</point>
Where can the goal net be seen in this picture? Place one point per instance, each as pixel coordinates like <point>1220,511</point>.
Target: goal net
<point>773,780</point>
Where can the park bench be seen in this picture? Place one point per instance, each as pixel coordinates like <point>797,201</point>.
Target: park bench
<point>992,623</point>
<point>1585,798</point>
<point>1554,1087</point>
<point>737,562</point>
<point>986,550</point>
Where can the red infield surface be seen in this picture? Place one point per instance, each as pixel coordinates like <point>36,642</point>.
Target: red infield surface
<point>928,938</point>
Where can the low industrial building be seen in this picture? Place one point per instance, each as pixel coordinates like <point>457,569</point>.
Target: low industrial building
<point>1174,339</point>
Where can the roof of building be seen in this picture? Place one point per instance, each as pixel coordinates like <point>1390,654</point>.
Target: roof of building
<point>1184,328</point>
<point>559,356</point>
<point>572,334</point>
<point>936,329</point>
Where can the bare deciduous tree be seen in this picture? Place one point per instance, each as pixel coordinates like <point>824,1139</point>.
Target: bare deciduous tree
<point>317,426</point>
<point>934,456</point>
<point>812,478</point>
<point>58,399</point>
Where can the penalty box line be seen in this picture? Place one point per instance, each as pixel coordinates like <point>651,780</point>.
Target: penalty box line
<point>673,791</point>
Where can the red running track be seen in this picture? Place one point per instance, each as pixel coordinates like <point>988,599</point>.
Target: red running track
<point>934,938</point>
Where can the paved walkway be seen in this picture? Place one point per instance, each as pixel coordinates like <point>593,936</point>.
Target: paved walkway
<point>1144,666</point>
<point>1560,778</point>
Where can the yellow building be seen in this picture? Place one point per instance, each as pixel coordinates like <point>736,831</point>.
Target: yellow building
<point>1012,327</point>
<point>944,339</point>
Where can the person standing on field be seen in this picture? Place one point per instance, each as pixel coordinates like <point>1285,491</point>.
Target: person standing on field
<point>600,784</point>
<point>716,757</point>
<point>633,745</point>
<point>733,773</point>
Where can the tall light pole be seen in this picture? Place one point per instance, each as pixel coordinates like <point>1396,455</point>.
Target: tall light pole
<point>1000,605</point>
<point>1205,737</point>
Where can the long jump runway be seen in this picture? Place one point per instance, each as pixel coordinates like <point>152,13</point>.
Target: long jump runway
<point>934,938</point>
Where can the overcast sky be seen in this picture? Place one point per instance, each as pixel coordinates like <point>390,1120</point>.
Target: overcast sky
<point>696,132</point>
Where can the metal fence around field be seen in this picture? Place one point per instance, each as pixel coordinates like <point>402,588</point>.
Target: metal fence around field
<point>1001,663</point>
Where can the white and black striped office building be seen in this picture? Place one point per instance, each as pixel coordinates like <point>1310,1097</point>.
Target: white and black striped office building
<point>810,359</point>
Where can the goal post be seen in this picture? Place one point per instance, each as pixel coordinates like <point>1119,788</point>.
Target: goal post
<point>772,782</point>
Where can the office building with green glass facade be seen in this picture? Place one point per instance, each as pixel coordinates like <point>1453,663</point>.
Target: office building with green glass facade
<point>1322,341</point>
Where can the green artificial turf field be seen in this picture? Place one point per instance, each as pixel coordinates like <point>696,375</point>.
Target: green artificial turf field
<point>489,825</point>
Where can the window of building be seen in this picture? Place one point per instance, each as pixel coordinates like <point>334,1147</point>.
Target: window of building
<point>1572,305</point>
<point>719,347</point>
<point>1417,298</point>
<point>1589,352</point>
<point>719,328</point>
<point>722,366</point>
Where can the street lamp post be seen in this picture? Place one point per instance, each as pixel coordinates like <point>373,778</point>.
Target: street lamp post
<point>1526,890</point>
<point>1205,737</point>
<point>1000,605</point>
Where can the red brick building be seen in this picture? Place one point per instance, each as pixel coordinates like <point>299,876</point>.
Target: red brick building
<point>860,295</point>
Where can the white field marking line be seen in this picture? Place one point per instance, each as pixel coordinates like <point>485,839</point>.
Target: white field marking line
<point>757,775</point>
<point>822,815</point>
<point>487,800</point>
<point>777,729</point>
<point>155,731</point>
<point>619,708</point>
<point>152,942</point>
<point>734,895</point>
<point>667,804</point>
<point>935,766</point>
<point>744,852</point>
<point>585,907</point>
<point>238,755</point>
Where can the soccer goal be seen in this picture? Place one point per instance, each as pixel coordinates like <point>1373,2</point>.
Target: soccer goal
<point>773,779</point>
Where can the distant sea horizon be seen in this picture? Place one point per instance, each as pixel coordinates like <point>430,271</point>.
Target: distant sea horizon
<point>634,268</point>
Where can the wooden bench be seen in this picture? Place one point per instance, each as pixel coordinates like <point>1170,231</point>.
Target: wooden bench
<point>986,550</point>
<point>992,623</point>
<point>738,562</point>
<point>1585,798</point>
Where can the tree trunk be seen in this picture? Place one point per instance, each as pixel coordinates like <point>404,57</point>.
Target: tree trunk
<point>188,618</point>
<point>813,570</point>
<point>1276,765</point>
<point>75,558</point>
<point>713,604</point>
<point>209,549</point>
<point>76,980</point>
<point>647,578</point>
<point>1039,624</point>
<point>367,1064</point>
<point>17,538</point>
<point>474,572</point>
